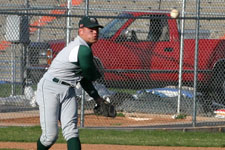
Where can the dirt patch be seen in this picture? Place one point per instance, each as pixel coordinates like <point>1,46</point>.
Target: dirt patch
<point>90,120</point>
<point>32,146</point>
<point>99,121</point>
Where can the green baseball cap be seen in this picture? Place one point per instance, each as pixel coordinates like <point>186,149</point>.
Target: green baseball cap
<point>89,22</point>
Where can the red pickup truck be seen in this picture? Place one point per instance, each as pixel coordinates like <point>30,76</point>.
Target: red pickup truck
<point>141,48</point>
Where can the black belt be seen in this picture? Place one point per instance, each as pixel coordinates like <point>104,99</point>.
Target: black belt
<point>61,82</point>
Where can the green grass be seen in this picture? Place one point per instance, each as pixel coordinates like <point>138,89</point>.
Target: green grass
<point>7,88</point>
<point>120,115</point>
<point>123,137</point>
<point>128,91</point>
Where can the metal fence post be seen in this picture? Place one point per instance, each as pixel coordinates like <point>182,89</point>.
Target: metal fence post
<point>68,22</point>
<point>82,109</point>
<point>83,92</point>
<point>181,57</point>
<point>25,41</point>
<point>86,7</point>
<point>196,62</point>
<point>13,70</point>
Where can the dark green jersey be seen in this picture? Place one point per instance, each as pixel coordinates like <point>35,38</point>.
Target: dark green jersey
<point>85,60</point>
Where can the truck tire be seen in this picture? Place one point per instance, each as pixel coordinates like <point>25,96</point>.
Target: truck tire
<point>35,75</point>
<point>218,84</point>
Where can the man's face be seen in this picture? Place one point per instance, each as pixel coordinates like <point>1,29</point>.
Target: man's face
<point>90,35</point>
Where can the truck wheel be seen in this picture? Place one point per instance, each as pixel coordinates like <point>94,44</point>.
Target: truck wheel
<point>218,84</point>
<point>34,76</point>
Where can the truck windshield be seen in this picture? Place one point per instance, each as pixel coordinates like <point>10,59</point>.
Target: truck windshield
<point>112,27</point>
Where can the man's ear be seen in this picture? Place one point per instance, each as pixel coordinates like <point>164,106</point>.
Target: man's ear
<point>80,31</point>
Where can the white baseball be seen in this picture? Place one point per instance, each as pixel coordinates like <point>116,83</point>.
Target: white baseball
<point>174,13</point>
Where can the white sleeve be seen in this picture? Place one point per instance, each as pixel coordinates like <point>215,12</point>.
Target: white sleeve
<point>73,56</point>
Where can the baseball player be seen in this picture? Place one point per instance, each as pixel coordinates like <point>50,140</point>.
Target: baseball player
<point>56,93</point>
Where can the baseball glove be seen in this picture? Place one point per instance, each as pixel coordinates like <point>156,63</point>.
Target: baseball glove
<point>105,108</point>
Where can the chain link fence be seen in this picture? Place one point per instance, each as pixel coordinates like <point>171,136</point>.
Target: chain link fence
<point>158,71</point>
